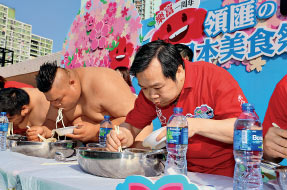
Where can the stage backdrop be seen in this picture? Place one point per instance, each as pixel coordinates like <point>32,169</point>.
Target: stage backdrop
<point>247,38</point>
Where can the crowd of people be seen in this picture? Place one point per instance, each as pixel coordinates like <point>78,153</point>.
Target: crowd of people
<point>168,78</point>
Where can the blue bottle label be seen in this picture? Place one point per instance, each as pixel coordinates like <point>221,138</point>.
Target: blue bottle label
<point>177,135</point>
<point>104,132</point>
<point>4,127</point>
<point>250,140</point>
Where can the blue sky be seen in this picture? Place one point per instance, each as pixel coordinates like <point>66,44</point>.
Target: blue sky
<point>49,18</point>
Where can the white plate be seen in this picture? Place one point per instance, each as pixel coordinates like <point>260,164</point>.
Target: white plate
<point>150,141</point>
<point>66,130</point>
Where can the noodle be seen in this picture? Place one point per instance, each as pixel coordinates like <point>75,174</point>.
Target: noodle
<point>60,118</point>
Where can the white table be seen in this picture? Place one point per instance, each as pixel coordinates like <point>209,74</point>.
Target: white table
<point>31,173</point>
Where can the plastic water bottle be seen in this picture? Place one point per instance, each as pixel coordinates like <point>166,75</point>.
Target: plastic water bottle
<point>105,127</point>
<point>176,143</point>
<point>4,123</point>
<point>247,150</point>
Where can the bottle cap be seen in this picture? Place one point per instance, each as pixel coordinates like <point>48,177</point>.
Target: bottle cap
<point>107,117</point>
<point>177,110</point>
<point>3,113</point>
<point>247,107</point>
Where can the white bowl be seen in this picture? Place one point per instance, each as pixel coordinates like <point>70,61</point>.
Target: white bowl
<point>66,130</point>
<point>150,141</point>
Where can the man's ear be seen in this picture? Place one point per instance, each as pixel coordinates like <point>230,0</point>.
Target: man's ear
<point>180,70</point>
<point>25,110</point>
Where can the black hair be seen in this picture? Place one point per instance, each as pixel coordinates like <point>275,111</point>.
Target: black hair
<point>12,100</point>
<point>46,76</point>
<point>126,75</point>
<point>2,82</point>
<point>184,51</point>
<point>166,54</point>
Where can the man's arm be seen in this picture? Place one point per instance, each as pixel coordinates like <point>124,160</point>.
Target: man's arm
<point>275,139</point>
<point>219,130</point>
<point>118,121</point>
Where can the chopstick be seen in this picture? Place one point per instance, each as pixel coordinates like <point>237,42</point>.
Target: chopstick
<point>40,136</point>
<point>275,125</point>
<point>117,128</point>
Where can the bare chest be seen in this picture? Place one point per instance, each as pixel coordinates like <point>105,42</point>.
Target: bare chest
<point>92,112</point>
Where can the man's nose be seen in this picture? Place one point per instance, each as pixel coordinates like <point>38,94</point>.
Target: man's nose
<point>152,94</point>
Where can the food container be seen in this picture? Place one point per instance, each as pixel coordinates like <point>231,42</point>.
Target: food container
<point>150,141</point>
<point>41,149</point>
<point>281,172</point>
<point>98,161</point>
<point>65,130</point>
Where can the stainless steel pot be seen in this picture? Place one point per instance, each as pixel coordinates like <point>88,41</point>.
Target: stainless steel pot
<point>131,161</point>
<point>42,149</point>
<point>281,172</point>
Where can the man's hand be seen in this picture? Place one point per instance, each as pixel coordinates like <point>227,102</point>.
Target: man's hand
<point>32,133</point>
<point>85,132</point>
<point>115,140</point>
<point>161,135</point>
<point>275,144</point>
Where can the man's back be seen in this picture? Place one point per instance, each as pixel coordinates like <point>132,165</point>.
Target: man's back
<point>39,108</point>
<point>103,92</point>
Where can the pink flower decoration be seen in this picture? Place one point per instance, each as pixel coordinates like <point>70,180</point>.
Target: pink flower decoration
<point>90,62</point>
<point>98,36</point>
<point>109,20</point>
<point>80,53</point>
<point>74,60</point>
<point>88,5</point>
<point>135,24</point>
<point>82,40</point>
<point>247,64</point>
<point>124,12</point>
<point>66,58</point>
<point>90,23</point>
<point>77,24</point>
<point>119,26</point>
<point>228,64</point>
<point>87,15</point>
<point>104,62</point>
<point>112,9</point>
<point>204,109</point>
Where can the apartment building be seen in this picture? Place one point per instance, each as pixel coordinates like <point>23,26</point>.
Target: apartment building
<point>17,37</point>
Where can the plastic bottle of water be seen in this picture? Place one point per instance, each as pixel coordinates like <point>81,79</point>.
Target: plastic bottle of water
<point>247,150</point>
<point>176,143</point>
<point>4,123</point>
<point>105,127</point>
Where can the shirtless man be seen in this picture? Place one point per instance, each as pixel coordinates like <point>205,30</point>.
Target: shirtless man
<point>27,107</point>
<point>86,95</point>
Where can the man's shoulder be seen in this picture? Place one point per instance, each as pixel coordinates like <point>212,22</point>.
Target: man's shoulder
<point>203,65</point>
<point>206,69</point>
<point>283,82</point>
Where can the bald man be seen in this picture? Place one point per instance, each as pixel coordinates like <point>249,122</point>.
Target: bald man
<point>27,107</point>
<point>86,96</point>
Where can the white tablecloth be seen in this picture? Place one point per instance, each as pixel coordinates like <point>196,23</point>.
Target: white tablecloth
<point>31,173</point>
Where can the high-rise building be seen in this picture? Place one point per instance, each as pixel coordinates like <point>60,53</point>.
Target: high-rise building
<point>17,36</point>
<point>40,46</point>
